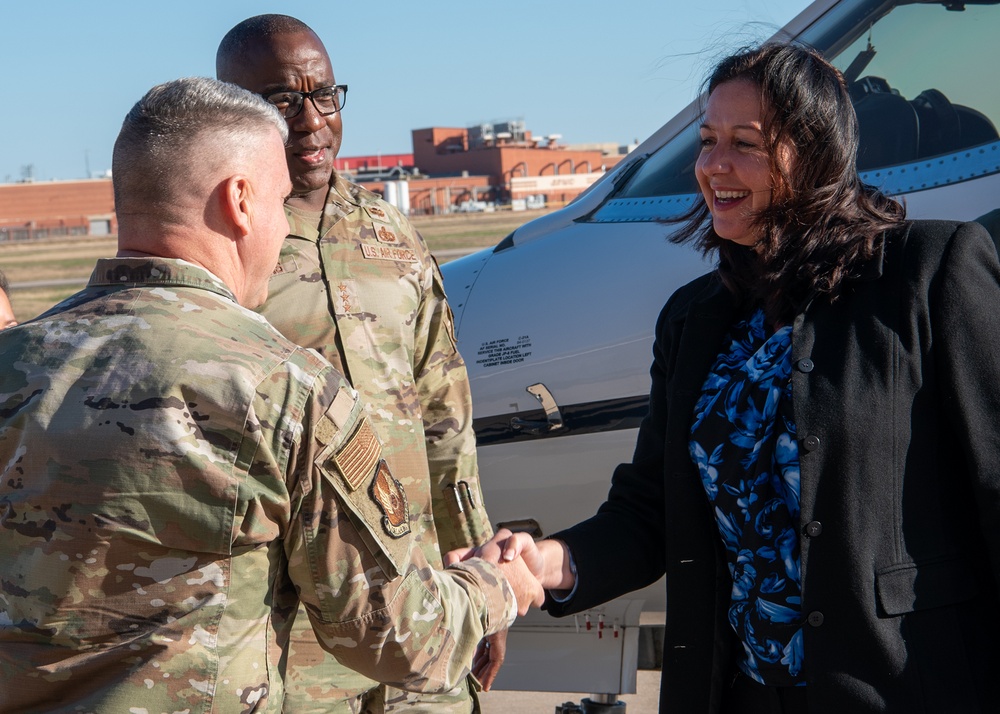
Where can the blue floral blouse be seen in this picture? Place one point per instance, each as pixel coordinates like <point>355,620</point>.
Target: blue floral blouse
<point>743,442</point>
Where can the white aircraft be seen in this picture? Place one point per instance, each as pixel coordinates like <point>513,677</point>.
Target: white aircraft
<point>556,321</point>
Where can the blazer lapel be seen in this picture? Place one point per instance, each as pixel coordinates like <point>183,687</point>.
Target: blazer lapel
<point>705,326</point>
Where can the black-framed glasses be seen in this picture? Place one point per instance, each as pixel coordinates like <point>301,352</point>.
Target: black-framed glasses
<point>327,100</point>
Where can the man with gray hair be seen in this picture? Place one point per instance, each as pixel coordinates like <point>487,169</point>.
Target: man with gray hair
<point>177,475</point>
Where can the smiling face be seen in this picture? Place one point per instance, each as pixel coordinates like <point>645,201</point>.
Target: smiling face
<point>296,61</point>
<point>734,167</point>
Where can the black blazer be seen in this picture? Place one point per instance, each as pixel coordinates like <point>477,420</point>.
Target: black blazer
<point>897,403</point>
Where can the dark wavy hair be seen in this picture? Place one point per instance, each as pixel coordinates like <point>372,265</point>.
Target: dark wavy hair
<point>823,221</point>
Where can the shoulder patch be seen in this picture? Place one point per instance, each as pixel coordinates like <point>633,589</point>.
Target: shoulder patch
<point>358,458</point>
<point>388,493</point>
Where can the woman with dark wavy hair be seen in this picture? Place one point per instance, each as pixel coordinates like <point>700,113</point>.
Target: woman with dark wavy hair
<point>820,221</point>
<point>819,472</point>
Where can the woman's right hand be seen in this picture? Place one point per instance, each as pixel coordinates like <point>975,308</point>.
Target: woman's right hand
<point>547,560</point>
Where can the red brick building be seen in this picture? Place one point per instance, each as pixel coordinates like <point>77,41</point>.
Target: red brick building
<point>449,170</point>
<point>54,208</point>
<point>513,162</point>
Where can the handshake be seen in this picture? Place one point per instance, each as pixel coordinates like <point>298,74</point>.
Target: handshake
<point>531,567</point>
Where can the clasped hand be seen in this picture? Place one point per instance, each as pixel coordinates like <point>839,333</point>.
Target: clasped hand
<point>519,560</point>
<point>530,567</point>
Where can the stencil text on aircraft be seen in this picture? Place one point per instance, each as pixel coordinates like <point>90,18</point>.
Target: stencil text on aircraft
<point>503,351</point>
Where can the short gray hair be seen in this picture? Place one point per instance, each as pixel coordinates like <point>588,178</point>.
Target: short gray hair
<point>162,138</point>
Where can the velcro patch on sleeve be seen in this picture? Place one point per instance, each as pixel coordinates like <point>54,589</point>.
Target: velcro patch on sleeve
<point>343,406</point>
<point>359,456</point>
<point>330,426</point>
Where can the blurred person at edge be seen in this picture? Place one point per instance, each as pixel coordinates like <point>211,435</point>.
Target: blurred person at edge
<point>819,473</point>
<point>7,318</point>
<point>177,475</point>
<point>357,283</point>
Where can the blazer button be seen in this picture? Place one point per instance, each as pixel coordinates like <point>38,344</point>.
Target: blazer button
<point>811,442</point>
<point>815,618</point>
<point>813,528</point>
<point>805,365</point>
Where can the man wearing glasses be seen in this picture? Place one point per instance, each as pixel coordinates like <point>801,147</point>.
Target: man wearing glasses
<point>356,282</point>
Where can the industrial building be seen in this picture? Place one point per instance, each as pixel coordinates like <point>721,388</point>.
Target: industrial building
<point>46,209</point>
<point>479,168</point>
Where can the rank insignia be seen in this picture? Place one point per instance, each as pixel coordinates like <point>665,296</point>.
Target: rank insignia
<point>385,235</point>
<point>343,297</point>
<point>388,493</point>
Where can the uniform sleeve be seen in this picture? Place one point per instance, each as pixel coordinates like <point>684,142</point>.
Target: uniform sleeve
<point>446,402</point>
<point>966,323</point>
<point>373,600</point>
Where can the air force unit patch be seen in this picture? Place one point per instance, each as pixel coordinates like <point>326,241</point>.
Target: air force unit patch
<point>388,493</point>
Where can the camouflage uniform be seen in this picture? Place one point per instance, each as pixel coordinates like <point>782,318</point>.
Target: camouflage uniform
<point>358,284</point>
<point>175,475</point>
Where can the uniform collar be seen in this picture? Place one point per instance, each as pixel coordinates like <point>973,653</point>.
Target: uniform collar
<point>152,272</point>
<point>352,193</point>
<point>343,199</point>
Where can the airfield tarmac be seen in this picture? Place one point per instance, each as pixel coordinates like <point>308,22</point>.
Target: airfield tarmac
<point>644,701</point>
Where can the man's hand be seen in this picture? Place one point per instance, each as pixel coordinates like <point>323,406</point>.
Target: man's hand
<point>489,658</point>
<point>525,585</point>
<point>548,560</point>
<point>528,566</point>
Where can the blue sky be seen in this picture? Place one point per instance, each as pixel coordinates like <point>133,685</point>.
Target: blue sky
<point>593,71</point>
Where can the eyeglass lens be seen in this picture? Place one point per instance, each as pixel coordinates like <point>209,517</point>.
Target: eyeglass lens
<point>327,100</point>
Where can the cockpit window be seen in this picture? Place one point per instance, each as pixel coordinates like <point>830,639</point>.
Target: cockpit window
<point>916,102</point>
<point>920,76</point>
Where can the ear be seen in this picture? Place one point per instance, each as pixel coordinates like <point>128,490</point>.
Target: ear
<point>237,203</point>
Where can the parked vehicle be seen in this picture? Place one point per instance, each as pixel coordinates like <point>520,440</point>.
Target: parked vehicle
<point>556,321</point>
<point>475,207</point>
